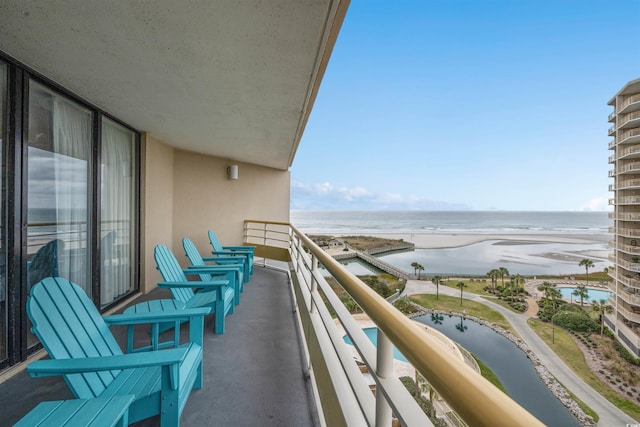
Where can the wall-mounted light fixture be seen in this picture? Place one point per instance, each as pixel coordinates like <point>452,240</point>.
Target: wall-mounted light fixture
<point>232,172</point>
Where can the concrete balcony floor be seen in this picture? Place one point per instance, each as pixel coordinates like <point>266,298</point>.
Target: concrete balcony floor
<point>253,373</point>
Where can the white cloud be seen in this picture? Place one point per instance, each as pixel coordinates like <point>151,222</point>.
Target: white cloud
<point>597,204</point>
<point>326,196</point>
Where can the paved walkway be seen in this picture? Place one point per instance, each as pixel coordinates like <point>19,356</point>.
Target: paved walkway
<point>610,416</point>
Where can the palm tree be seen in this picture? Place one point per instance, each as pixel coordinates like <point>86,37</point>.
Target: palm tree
<point>415,267</point>
<point>555,294</point>
<point>601,307</point>
<point>515,282</point>
<point>502,271</point>
<point>493,275</point>
<point>461,285</point>
<point>436,281</point>
<point>581,292</point>
<point>587,265</point>
<point>420,268</point>
<point>545,288</point>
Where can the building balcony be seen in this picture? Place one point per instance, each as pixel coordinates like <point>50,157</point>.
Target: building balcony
<point>624,231</point>
<point>625,183</point>
<point>628,313</point>
<point>611,202</point>
<point>625,167</point>
<point>630,295</point>
<point>630,120</point>
<point>612,131</point>
<point>612,144</point>
<point>629,249</point>
<point>627,265</point>
<point>627,200</point>
<point>630,104</point>
<point>612,116</point>
<point>612,159</point>
<point>253,374</point>
<point>629,137</point>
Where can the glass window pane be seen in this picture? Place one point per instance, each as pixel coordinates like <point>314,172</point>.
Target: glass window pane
<point>117,212</point>
<point>3,271</point>
<point>58,188</point>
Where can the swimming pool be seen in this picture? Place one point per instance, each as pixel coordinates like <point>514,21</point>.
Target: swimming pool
<point>372,333</point>
<point>594,294</point>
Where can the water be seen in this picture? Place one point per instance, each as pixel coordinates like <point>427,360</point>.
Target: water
<point>511,366</point>
<point>594,294</point>
<point>372,334</point>
<point>528,258</point>
<point>378,222</point>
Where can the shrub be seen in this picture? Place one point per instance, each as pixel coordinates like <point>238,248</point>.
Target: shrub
<point>625,353</point>
<point>575,321</point>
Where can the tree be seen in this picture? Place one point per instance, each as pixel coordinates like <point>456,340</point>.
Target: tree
<point>545,288</point>
<point>493,275</point>
<point>554,294</point>
<point>601,307</point>
<point>581,292</point>
<point>436,280</point>
<point>587,263</point>
<point>515,282</point>
<point>420,268</point>
<point>461,285</point>
<point>502,271</point>
<point>415,268</point>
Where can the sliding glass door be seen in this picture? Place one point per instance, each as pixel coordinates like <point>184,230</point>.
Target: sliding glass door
<point>117,211</point>
<point>58,188</point>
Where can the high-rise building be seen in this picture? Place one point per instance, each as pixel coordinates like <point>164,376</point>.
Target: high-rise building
<point>624,318</point>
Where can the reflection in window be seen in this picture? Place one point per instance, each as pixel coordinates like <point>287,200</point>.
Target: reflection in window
<point>58,187</point>
<point>117,214</point>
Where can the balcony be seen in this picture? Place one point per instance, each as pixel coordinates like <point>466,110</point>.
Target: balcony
<point>623,231</point>
<point>625,184</point>
<point>630,295</point>
<point>611,202</point>
<point>629,249</point>
<point>627,265</point>
<point>626,200</point>
<point>612,144</point>
<point>629,137</point>
<point>630,120</point>
<point>630,104</point>
<point>267,353</point>
<point>628,313</point>
<point>612,116</point>
<point>612,159</point>
<point>625,167</point>
<point>612,131</point>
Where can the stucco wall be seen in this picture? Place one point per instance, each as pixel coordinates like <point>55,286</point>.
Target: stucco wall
<point>205,198</point>
<point>157,200</point>
<point>184,194</point>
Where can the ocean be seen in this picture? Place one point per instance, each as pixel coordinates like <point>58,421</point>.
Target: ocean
<point>489,222</point>
<point>544,256</point>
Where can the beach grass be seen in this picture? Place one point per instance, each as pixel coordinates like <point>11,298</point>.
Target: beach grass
<point>489,375</point>
<point>470,308</point>
<point>473,287</point>
<point>565,347</point>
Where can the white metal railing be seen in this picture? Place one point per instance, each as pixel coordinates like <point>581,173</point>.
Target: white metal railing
<point>633,232</point>
<point>612,130</point>
<point>627,135</point>
<point>628,200</point>
<point>627,183</point>
<point>611,116</point>
<point>477,401</point>
<point>628,151</point>
<point>625,167</point>
<point>629,265</point>
<point>629,117</point>
<point>631,100</point>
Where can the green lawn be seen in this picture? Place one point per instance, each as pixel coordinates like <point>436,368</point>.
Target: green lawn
<point>566,348</point>
<point>447,303</point>
<point>489,375</point>
<point>471,287</point>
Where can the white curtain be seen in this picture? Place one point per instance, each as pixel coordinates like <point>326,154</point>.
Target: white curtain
<point>71,144</point>
<point>116,228</point>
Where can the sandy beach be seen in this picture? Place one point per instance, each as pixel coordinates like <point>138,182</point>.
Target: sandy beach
<point>449,240</point>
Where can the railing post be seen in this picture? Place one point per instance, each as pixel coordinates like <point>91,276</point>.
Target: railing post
<point>298,254</point>
<point>384,370</point>
<point>314,284</point>
<point>264,243</point>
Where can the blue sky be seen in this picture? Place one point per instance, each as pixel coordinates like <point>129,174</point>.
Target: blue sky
<point>465,104</point>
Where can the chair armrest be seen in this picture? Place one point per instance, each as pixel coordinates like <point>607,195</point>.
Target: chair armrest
<point>212,268</point>
<point>54,367</point>
<point>224,258</point>
<point>209,284</point>
<point>239,248</point>
<point>230,254</point>
<point>165,316</point>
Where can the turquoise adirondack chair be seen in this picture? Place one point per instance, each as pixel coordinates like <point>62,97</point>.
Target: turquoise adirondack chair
<point>84,351</point>
<point>231,272</point>
<point>217,294</point>
<point>245,252</point>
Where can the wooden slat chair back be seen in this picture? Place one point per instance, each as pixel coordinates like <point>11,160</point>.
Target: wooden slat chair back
<point>232,272</point>
<point>84,351</point>
<point>245,252</point>
<point>219,295</point>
